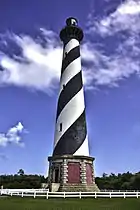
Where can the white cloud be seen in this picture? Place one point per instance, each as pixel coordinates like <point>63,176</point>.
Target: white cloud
<point>126,17</point>
<point>109,69</point>
<point>123,61</point>
<point>130,7</point>
<point>12,136</point>
<point>38,68</point>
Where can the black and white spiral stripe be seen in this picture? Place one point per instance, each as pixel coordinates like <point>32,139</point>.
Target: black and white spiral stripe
<point>71,131</point>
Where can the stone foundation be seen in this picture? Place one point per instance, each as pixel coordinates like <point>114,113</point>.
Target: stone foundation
<point>72,173</point>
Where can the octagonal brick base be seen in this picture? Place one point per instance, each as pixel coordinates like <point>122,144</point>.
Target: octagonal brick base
<point>71,173</point>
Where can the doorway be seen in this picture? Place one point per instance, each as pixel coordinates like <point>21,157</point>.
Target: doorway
<point>56,175</point>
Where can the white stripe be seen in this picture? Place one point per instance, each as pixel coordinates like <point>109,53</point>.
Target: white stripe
<point>72,69</point>
<point>69,114</point>
<point>70,45</point>
<point>84,149</point>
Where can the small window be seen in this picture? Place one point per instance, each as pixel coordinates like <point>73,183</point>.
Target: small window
<point>60,127</point>
<point>73,22</point>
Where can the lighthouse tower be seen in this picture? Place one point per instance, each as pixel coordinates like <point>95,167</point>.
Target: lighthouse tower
<point>70,167</point>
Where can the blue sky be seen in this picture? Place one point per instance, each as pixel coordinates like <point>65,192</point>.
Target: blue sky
<point>30,64</point>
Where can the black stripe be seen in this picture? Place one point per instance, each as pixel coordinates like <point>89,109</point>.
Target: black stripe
<point>71,56</point>
<point>69,91</point>
<point>73,138</point>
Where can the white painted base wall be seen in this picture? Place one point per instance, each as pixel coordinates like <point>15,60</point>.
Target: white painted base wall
<point>55,187</point>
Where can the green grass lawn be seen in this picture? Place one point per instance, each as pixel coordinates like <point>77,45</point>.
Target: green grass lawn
<point>12,203</point>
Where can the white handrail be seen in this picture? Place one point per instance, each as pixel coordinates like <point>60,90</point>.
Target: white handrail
<point>45,193</point>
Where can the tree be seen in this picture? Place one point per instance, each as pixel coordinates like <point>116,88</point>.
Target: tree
<point>125,181</point>
<point>20,172</point>
<point>104,175</point>
<point>135,182</point>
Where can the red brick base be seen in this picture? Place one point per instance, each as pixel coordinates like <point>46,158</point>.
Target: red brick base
<point>72,173</point>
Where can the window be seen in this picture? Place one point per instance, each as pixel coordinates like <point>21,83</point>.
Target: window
<point>73,22</point>
<point>60,127</point>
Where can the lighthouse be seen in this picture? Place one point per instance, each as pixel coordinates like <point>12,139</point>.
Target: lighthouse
<point>71,131</point>
<point>70,166</point>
